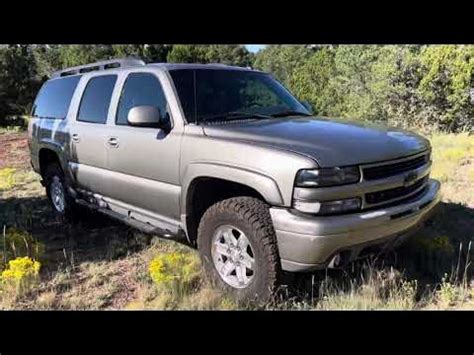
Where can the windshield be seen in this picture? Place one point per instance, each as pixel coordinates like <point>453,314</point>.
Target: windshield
<point>226,94</point>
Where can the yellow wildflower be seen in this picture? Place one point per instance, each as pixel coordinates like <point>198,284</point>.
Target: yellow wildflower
<point>20,269</point>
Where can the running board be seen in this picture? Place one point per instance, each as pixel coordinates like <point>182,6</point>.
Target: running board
<point>132,222</point>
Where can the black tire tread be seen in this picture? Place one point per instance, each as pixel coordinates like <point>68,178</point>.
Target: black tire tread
<point>257,215</point>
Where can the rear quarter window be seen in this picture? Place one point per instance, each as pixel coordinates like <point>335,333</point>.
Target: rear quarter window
<point>54,98</point>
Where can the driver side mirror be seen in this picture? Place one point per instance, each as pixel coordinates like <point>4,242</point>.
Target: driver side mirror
<point>307,105</point>
<point>144,116</point>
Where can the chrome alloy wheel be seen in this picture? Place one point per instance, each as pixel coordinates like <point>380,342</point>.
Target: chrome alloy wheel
<point>233,256</point>
<point>57,194</point>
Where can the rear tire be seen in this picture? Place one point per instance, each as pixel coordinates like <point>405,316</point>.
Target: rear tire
<point>64,206</point>
<point>238,249</point>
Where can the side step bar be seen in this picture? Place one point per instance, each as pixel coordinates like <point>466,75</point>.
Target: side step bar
<point>132,222</point>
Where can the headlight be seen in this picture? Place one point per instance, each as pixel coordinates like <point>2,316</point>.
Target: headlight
<point>327,207</point>
<point>327,177</point>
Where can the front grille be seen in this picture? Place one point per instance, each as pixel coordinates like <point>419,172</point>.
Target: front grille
<point>390,194</point>
<point>387,170</point>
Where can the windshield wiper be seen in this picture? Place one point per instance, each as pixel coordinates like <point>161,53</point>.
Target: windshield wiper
<point>290,113</point>
<point>234,115</point>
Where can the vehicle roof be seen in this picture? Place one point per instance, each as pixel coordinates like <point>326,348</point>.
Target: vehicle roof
<point>127,63</point>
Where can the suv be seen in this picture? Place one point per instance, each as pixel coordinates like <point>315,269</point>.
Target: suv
<point>229,159</point>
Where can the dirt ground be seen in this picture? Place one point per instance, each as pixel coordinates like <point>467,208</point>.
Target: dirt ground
<point>14,151</point>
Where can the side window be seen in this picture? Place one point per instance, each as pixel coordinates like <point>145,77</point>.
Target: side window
<point>54,98</point>
<point>96,99</point>
<point>141,89</point>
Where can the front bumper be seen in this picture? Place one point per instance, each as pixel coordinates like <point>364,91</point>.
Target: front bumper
<point>308,242</point>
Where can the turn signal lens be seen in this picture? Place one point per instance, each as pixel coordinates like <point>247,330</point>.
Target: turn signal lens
<point>328,207</point>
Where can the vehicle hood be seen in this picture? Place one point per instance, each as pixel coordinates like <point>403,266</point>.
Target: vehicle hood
<point>331,142</point>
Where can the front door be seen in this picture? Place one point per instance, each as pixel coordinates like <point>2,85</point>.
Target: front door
<point>143,162</point>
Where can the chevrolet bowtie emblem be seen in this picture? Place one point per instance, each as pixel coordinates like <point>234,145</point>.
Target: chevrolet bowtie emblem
<point>410,178</point>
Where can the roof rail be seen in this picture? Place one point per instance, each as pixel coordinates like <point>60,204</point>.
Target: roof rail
<point>217,63</point>
<point>102,65</point>
<point>230,65</point>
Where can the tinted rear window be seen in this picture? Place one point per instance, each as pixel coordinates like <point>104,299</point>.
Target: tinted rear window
<point>54,98</point>
<point>96,99</point>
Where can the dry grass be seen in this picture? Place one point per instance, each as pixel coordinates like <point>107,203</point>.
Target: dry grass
<point>11,129</point>
<point>453,165</point>
<point>188,290</point>
<point>7,179</point>
<point>97,263</point>
<point>379,290</point>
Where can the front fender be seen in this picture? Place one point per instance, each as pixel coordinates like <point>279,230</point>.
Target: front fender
<point>260,182</point>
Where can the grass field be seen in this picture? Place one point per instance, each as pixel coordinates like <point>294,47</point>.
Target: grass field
<point>97,263</point>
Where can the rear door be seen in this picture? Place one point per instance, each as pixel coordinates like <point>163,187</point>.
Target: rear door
<point>143,162</point>
<point>88,157</point>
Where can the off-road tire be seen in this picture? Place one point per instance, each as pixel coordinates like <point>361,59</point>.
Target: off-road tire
<point>252,217</point>
<point>71,208</point>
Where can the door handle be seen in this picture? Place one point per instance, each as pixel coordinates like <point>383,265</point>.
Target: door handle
<point>75,137</point>
<point>113,142</point>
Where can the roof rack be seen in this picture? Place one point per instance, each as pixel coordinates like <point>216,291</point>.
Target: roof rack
<point>102,65</point>
<point>221,64</point>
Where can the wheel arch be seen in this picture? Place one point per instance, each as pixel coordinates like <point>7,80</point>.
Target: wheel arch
<point>46,156</point>
<point>213,183</point>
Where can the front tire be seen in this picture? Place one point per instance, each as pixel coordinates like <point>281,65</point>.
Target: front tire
<point>238,249</point>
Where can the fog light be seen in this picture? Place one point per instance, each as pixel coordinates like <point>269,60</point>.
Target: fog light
<point>328,207</point>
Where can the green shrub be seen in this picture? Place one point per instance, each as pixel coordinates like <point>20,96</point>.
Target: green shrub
<point>412,86</point>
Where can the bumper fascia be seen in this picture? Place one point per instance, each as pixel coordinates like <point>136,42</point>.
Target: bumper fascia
<point>308,242</point>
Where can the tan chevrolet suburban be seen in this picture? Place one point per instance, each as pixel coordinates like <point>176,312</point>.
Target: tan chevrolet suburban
<point>228,158</point>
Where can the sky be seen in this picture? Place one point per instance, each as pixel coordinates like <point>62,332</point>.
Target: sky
<point>254,48</point>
